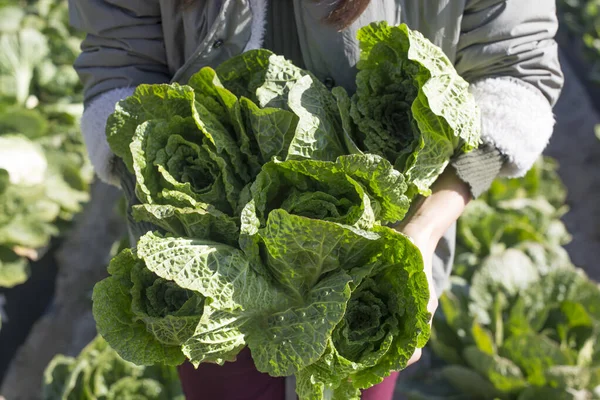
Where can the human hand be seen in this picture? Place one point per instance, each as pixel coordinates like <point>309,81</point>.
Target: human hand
<point>426,243</point>
<point>427,221</point>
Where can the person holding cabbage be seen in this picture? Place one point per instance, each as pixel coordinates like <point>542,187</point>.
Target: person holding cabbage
<point>505,49</point>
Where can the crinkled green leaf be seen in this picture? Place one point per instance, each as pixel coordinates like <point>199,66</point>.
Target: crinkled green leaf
<point>260,133</point>
<point>175,166</point>
<point>350,134</point>
<point>272,130</point>
<point>147,103</point>
<point>218,337</point>
<point>327,377</point>
<point>144,318</point>
<point>411,106</point>
<point>219,272</point>
<point>285,342</point>
<point>319,132</point>
<point>291,240</point>
<point>399,279</point>
<point>261,76</point>
<point>245,306</point>
<point>198,223</point>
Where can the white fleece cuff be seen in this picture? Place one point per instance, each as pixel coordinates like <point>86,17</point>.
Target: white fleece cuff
<point>516,118</point>
<point>93,128</point>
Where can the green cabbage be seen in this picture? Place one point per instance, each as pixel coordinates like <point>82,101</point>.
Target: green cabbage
<point>99,373</point>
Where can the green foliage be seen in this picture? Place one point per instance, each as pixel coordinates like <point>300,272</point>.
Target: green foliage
<point>44,173</point>
<point>98,373</point>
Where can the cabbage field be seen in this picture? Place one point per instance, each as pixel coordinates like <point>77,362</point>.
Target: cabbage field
<point>520,320</point>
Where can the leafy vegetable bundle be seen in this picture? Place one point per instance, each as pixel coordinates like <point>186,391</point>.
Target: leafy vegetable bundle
<point>99,373</point>
<point>525,323</point>
<point>44,173</point>
<point>270,195</point>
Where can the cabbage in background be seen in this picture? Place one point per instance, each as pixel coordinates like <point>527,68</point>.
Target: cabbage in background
<point>44,172</point>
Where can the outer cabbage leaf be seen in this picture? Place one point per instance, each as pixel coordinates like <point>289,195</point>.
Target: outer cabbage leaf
<point>145,318</point>
<point>319,132</point>
<point>181,180</point>
<point>411,106</point>
<point>261,76</point>
<point>202,222</point>
<point>272,81</point>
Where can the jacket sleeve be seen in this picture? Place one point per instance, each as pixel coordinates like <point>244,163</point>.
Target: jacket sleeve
<point>507,51</point>
<point>123,48</point>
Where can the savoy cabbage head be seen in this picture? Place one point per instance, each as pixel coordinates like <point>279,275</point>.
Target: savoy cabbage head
<point>411,106</point>
<point>157,315</point>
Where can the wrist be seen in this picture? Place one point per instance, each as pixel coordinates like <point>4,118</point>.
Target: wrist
<point>430,217</point>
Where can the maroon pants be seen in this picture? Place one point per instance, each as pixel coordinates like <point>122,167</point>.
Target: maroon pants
<point>241,381</point>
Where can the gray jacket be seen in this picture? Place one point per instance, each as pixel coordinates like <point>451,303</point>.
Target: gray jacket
<point>505,48</point>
